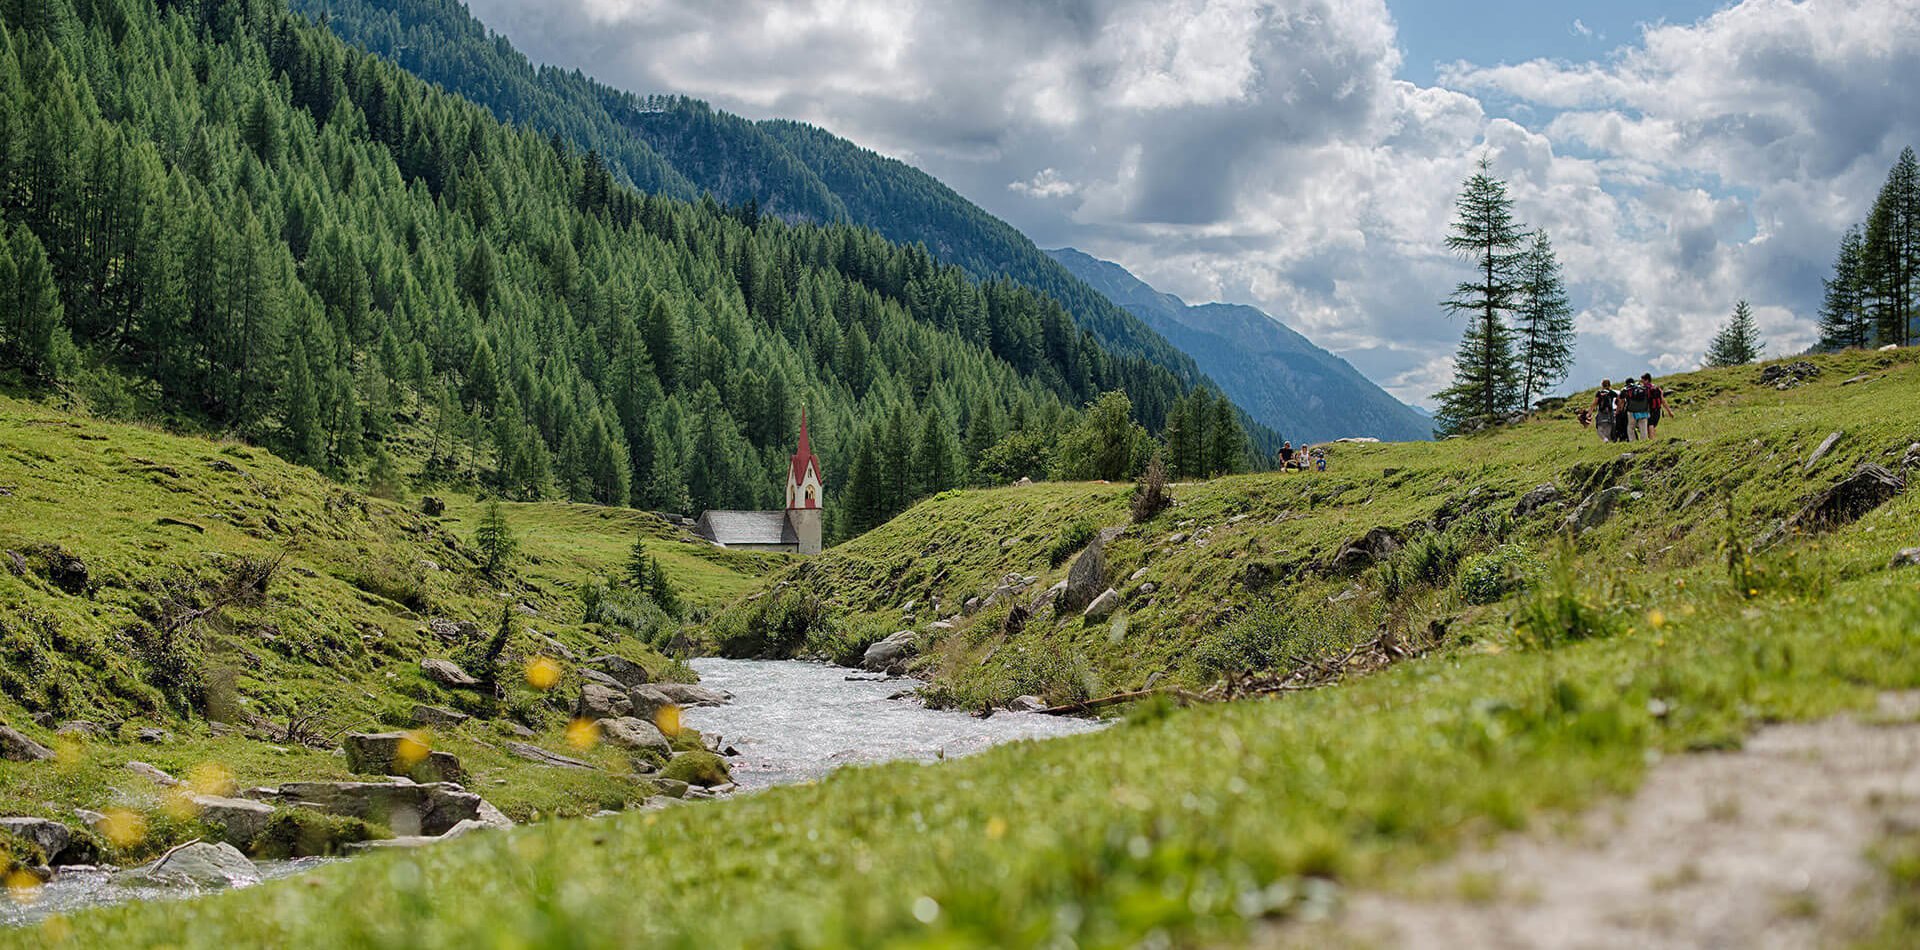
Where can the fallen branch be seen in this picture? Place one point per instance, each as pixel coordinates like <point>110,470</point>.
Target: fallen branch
<point>1088,705</point>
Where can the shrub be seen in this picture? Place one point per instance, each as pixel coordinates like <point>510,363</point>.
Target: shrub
<point>1485,578</point>
<point>776,625</point>
<point>630,611</point>
<point>1560,611</point>
<point>1151,496</point>
<point>1078,534</point>
<point>397,578</point>
<point>845,643</point>
<point>698,768</point>
<point>1272,636</point>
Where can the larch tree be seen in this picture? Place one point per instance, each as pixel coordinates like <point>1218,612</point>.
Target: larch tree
<point>1844,320</point>
<point>1738,342</point>
<point>1486,380</point>
<point>1543,322</point>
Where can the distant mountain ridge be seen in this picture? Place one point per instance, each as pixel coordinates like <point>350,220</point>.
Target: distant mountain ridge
<point>1279,376</point>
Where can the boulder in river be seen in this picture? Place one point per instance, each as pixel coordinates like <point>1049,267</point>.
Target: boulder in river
<point>199,864</point>
<point>650,697</point>
<point>240,820</point>
<point>891,654</point>
<point>15,747</point>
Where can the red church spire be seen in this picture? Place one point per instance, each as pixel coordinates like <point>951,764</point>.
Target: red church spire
<point>803,463</point>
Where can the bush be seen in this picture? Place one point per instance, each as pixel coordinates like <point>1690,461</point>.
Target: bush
<point>698,768</point>
<point>1151,496</point>
<point>1561,611</point>
<point>776,626</point>
<point>846,643</point>
<point>630,611</point>
<point>1485,578</point>
<point>397,578</point>
<point>1078,534</point>
<point>1272,636</point>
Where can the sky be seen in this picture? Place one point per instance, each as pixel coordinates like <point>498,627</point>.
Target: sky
<point>1303,156</point>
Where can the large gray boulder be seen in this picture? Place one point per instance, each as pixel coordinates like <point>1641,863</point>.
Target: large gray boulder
<point>448,673</point>
<point>200,864</point>
<point>630,733</point>
<point>1086,578</point>
<point>50,836</point>
<point>1596,510</point>
<point>891,654</point>
<point>1103,606</point>
<point>601,702</point>
<point>379,753</point>
<point>650,697</point>
<point>404,807</point>
<point>623,671</point>
<point>441,716</point>
<point>240,820</point>
<point>15,747</point>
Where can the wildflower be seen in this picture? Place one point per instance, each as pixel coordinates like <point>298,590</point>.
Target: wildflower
<point>542,673</point>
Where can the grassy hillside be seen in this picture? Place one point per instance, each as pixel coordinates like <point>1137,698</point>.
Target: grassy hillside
<point>229,596</point>
<point>1268,541</point>
<point>1198,826</point>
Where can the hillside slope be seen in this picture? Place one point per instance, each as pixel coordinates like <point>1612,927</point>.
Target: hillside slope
<point>254,611</point>
<point>1281,378</point>
<point>1212,825</point>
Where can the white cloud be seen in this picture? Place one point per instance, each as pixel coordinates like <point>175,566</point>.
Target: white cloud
<point>1263,151</point>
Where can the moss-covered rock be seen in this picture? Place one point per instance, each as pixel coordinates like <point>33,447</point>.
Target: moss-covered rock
<point>698,768</point>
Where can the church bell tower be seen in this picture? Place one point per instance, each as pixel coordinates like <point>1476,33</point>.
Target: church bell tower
<point>805,493</point>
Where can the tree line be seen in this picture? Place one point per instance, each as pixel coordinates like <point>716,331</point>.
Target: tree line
<point>218,215</point>
<point>1870,299</point>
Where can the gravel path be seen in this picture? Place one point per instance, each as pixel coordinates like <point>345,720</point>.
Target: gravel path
<point>1765,847</point>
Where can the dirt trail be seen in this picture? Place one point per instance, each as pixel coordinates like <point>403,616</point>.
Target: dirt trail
<point>1765,847</point>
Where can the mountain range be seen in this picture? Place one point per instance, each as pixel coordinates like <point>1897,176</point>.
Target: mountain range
<point>1279,376</point>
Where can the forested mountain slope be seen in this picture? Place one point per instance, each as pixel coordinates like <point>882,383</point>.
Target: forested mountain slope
<point>1283,380</point>
<point>788,169</point>
<point>228,216</point>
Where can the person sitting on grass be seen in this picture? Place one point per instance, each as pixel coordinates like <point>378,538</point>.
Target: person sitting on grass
<point>1286,455</point>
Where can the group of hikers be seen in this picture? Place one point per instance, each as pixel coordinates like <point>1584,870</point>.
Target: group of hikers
<point>1628,414</point>
<point>1301,459</point>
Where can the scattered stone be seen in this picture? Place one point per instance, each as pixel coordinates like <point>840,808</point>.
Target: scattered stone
<point>16,565</point>
<point>81,728</point>
<point>51,837</point>
<point>1365,551</point>
<point>1821,452</point>
<point>381,753</point>
<point>152,774</point>
<point>1006,543</point>
<point>671,787</point>
<point>452,631</point>
<point>519,730</point>
<point>891,654</point>
<point>62,568</point>
<point>972,606</point>
<point>1908,557</point>
<point>1788,375</point>
<point>1863,377</point>
<point>1869,487</point>
<point>1103,605</point>
<point>1023,482</point>
<point>941,625</point>
<point>92,819</point>
<point>405,807</point>
<point>1595,511</point>
<point>601,702</point>
<point>1049,595</point>
<point>1136,575</point>
<point>441,716</point>
<point>630,733</point>
<point>1148,588</point>
<point>240,820</point>
<point>447,673</point>
<point>15,747</point>
<point>1178,537</point>
<point>490,816</point>
<point>1536,499</point>
<point>1028,703</point>
<point>1086,578</point>
<point>1912,458</point>
<point>534,753</point>
<point>199,864</point>
<point>154,735</point>
<point>432,507</point>
<point>600,679</point>
<point>624,671</point>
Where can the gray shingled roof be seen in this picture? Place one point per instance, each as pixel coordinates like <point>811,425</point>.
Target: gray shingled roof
<point>747,527</point>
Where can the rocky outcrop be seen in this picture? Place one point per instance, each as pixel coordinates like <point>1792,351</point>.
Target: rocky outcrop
<point>534,753</point>
<point>601,702</point>
<point>1788,375</point>
<point>1869,487</point>
<point>61,568</point>
<point>405,807</point>
<point>51,837</point>
<point>199,864</point>
<point>1085,579</point>
<point>15,747</point>
<point>622,670</point>
<point>637,734</point>
<point>1537,499</point>
<point>1103,606</point>
<point>1367,550</point>
<point>646,699</point>
<point>240,820</point>
<point>447,673</point>
<point>1595,511</point>
<point>440,716</point>
<point>397,753</point>
<point>891,654</point>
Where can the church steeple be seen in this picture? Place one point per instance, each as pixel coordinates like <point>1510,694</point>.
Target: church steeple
<point>803,476</point>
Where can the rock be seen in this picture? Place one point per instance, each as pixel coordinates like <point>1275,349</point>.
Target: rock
<point>891,654</point>
<point>62,568</point>
<point>1869,487</point>
<point>51,837</point>
<point>490,816</point>
<point>426,715</point>
<point>199,864</point>
<point>1006,543</point>
<point>153,735</point>
<point>460,830</point>
<point>152,774</point>
<point>1908,557</point>
<point>1103,605</point>
<point>1536,499</point>
<point>1912,458</point>
<point>1365,551</point>
<point>1136,575</point>
<point>1049,595</point>
<point>1595,511</point>
<point>519,730</point>
<point>1022,482</point>
<point>240,820</point>
<point>601,702</point>
<point>81,728</point>
<point>559,649</point>
<point>447,673</point>
<point>15,747</point>
<point>671,787</point>
<point>379,753</point>
<point>630,733</point>
<point>624,671</point>
<point>971,607</point>
<point>1028,703</point>
<point>1788,375</point>
<point>1863,377</point>
<point>92,819</point>
<point>405,807</point>
<point>1821,452</point>
<point>432,507</point>
<point>1148,588</point>
<point>452,631</point>
<point>534,753</point>
<point>1086,578</point>
<point>16,565</point>
<point>687,694</point>
<point>1178,537</point>
<point>601,679</point>
<point>704,769</point>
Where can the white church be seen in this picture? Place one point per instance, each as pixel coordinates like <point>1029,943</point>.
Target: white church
<point>797,529</point>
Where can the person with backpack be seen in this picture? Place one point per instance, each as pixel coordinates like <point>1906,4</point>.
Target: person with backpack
<point>1657,397</point>
<point>1603,405</point>
<point>1638,402</point>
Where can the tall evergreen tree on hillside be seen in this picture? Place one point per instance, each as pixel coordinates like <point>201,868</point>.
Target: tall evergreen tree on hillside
<point>1543,322</point>
<point>33,335</point>
<point>1738,342</point>
<point>1891,253</point>
<point>1844,321</point>
<point>1486,381</point>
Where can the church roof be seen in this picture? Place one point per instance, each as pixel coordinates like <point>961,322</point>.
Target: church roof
<point>803,457</point>
<point>747,527</point>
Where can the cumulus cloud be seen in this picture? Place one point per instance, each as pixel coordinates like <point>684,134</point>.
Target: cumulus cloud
<point>1263,151</point>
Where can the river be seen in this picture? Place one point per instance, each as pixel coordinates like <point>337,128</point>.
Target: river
<point>790,721</point>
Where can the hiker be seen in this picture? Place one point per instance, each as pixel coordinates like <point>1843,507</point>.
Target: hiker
<point>1603,405</point>
<point>1657,397</point>
<point>1286,455</point>
<point>1620,415</point>
<point>1638,403</point>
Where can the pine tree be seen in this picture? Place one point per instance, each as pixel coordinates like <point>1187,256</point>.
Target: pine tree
<point>1486,382</point>
<point>1226,441</point>
<point>301,414</point>
<point>1738,342</point>
<point>638,564</point>
<point>494,537</point>
<point>1543,322</point>
<point>33,333</point>
<point>1844,321</point>
<point>936,455</point>
<point>662,591</point>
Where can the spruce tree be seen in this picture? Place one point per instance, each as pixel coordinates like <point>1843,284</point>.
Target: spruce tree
<point>1891,253</point>
<point>33,334</point>
<point>639,564</point>
<point>495,540</point>
<point>1486,381</point>
<point>1844,321</point>
<point>1543,322</point>
<point>1738,342</point>
<point>301,415</point>
<point>936,455</point>
<point>661,590</point>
